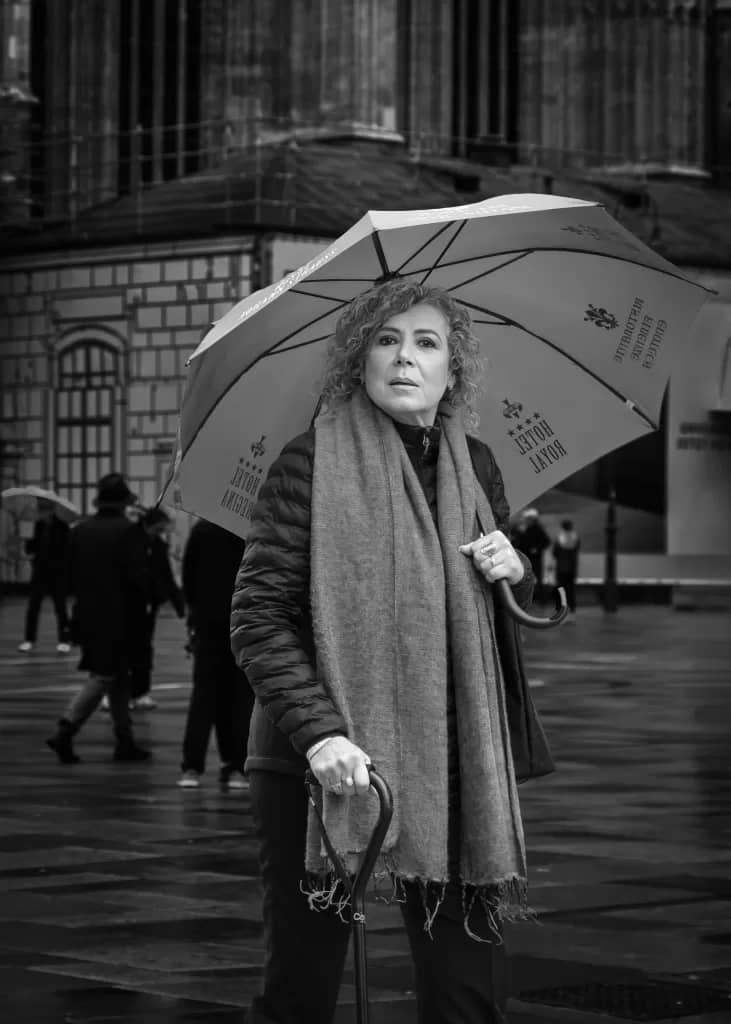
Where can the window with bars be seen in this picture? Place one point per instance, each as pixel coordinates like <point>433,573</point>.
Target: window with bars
<point>88,373</point>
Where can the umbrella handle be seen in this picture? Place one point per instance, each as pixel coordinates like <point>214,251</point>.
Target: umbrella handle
<point>525,618</point>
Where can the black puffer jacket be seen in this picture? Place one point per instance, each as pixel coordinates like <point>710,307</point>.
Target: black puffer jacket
<point>271,628</point>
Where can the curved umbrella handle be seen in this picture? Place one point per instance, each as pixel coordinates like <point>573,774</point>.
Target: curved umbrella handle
<point>525,618</point>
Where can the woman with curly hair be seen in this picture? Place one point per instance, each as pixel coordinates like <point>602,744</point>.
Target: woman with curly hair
<point>363,619</point>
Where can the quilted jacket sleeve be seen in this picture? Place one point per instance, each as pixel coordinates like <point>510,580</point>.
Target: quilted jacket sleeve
<point>491,479</point>
<point>271,632</point>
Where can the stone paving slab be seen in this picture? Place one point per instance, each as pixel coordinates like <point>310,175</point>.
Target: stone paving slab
<point>124,900</point>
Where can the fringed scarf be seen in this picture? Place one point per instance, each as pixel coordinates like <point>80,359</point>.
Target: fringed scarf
<point>387,591</point>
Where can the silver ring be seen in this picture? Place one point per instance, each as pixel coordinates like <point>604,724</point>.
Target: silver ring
<point>485,550</point>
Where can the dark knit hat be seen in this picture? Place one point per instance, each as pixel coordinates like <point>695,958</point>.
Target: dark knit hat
<point>112,489</point>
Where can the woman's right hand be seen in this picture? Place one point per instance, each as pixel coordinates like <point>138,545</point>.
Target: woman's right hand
<point>341,767</point>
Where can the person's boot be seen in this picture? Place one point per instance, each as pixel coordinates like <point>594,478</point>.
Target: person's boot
<point>127,750</point>
<point>60,743</point>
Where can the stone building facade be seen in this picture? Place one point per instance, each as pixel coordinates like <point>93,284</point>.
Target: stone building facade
<point>92,364</point>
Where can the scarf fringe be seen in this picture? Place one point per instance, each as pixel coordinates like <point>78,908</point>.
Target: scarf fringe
<point>505,901</point>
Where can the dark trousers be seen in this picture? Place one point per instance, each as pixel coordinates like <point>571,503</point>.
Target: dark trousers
<point>568,582</point>
<point>141,658</point>
<point>39,589</point>
<point>457,980</point>
<point>87,700</point>
<point>221,699</point>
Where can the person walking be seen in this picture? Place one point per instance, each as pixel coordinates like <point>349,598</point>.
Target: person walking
<point>531,538</point>
<point>221,697</point>
<point>47,548</point>
<point>365,622</point>
<point>108,581</point>
<point>565,550</point>
<point>153,526</point>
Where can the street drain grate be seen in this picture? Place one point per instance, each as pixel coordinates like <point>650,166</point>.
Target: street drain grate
<point>660,1001</point>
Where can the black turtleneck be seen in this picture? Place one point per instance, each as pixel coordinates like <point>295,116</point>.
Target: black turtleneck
<point>422,447</point>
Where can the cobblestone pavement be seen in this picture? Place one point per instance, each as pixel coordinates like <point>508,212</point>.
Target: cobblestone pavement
<point>124,899</point>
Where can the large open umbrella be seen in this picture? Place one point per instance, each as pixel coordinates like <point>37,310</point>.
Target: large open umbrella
<point>579,322</point>
<point>24,502</point>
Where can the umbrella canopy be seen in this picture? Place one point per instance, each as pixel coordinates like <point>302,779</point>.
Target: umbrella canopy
<point>579,323</point>
<point>23,502</point>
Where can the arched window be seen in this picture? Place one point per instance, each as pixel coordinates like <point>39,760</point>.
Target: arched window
<point>86,423</point>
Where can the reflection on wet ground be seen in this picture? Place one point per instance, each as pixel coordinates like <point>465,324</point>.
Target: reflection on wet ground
<point>127,900</point>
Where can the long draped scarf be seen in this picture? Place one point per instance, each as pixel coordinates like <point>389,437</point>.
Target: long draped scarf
<point>392,599</point>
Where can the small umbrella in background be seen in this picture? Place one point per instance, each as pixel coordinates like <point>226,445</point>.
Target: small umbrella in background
<point>23,502</point>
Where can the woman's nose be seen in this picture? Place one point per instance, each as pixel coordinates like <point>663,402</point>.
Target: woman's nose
<point>403,357</point>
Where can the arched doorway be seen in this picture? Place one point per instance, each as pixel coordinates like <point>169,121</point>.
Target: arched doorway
<point>87,435</point>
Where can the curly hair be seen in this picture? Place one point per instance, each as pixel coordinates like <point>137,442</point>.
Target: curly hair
<point>366,314</point>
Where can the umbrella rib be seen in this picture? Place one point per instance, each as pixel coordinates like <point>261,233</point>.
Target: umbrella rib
<point>551,248</point>
<point>272,350</point>
<point>566,355</point>
<point>437,262</point>
<point>428,242</point>
<point>317,295</point>
<point>290,348</point>
<point>376,239</point>
<point>486,273</point>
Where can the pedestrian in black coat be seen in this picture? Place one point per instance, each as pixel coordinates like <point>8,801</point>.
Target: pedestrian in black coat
<point>530,538</point>
<point>108,581</point>
<point>566,557</point>
<point>162,588</point>
<point>221,697</point>
<point>48,550</point>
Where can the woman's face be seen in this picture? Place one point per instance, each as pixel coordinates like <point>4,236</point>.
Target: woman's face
<point>407,365</point>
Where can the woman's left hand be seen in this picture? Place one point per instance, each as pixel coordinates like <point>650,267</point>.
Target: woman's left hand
<point>495,557</point>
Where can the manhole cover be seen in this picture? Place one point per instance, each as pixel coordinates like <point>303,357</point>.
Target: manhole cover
<point>661,1001</point>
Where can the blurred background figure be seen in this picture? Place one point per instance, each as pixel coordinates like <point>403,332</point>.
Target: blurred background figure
<point>48,549</point>
<point>565,552</point>
<point>221,695</point>
<point>152,525</point>
<point>108,581</point>
<point>530,537</point>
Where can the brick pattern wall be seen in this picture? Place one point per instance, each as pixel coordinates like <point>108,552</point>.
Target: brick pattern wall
<point>152,307</point>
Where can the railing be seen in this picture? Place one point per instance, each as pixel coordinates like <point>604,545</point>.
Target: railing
<point>55,178</point>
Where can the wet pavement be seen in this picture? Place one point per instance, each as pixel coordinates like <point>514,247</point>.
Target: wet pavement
<point>124,899</point>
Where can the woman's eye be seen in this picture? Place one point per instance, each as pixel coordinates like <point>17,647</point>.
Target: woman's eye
<point>427,342</point>
<point>386,339</point>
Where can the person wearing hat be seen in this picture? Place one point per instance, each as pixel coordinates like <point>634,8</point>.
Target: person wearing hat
<point>108,583</point>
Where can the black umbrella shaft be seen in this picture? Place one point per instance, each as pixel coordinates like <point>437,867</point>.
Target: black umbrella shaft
<point>360,967</point>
